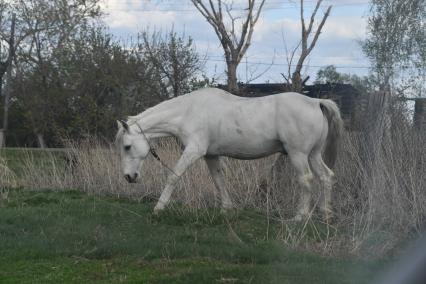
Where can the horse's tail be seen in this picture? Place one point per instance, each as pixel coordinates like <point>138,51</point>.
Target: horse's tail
<point>335,129</point>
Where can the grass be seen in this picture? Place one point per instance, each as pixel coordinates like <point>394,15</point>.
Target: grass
<point>72,237</point>
<point>17,158</point>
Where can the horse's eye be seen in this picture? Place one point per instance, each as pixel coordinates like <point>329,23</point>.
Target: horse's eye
<point>127,147</point>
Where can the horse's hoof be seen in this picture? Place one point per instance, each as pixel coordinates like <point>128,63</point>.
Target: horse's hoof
<point>298,218</point>
<point>328,216</point>
<point>158,209</point>
<point>227,207</point>
<point>226,210</point>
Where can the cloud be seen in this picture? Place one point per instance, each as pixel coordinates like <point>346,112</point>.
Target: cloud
<point>337,44</point>
<point>345,27</point>
<point>133,16</point>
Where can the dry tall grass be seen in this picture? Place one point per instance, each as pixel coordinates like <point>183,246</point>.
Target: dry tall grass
<point>379,199</point>
<point>7,179</point>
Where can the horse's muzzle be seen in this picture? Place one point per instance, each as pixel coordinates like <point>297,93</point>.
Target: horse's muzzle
<point>131,179</point>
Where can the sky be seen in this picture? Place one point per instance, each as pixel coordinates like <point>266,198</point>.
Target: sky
<point>277,30</point>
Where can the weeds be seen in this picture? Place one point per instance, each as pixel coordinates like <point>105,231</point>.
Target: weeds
<point>7,179</point>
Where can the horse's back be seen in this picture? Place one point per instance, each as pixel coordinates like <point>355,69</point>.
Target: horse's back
<point>269,112</point>
<point>212,95</point>
<point>215,94</point>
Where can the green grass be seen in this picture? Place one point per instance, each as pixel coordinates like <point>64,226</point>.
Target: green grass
<point>16,158</point>
<point>71,237</point>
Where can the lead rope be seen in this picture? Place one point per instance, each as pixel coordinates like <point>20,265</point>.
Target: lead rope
<point>154,153</point>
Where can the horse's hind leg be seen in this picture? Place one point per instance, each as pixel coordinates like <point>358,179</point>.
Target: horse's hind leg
<point>305,177</point>
<point>325,175</point>
<point>189,156</point>
<point>215,169</point>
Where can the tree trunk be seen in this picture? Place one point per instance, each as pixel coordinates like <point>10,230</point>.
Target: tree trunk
<point>420,114</point>
<point>6,107</point>
<point>296,82</point>
<point>8,82</point>
<point>2,142</point>
<point>40,140</point>
<point>232,78</point>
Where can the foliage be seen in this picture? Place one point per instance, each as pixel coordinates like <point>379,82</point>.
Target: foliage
<point>72,79</point>
<point>396,43</point>
<point>329,74</point>
<point>44,29</point>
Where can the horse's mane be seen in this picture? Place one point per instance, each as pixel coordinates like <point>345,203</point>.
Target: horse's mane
<point>163,106</point>
<point>133,119</point>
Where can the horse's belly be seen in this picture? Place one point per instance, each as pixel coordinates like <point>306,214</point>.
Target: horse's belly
<point>245,150</point>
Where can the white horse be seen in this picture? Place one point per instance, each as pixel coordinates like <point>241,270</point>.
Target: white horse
<point>211,123</point>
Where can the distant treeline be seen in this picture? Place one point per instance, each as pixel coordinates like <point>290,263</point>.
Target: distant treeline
<point>70,78</point>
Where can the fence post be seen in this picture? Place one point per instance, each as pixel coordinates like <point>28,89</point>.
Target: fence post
<point>420,113</point>
<point>2,138</point>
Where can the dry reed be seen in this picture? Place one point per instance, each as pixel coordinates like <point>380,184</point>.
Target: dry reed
<point>7,179</point>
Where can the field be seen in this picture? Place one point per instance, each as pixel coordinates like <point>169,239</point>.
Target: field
<point>70,217</point>
<point>73,237</point>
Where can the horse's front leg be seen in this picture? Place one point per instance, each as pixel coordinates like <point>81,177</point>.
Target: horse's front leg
<point>189,156</point>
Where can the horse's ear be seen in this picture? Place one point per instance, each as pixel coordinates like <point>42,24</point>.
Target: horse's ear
<point>122,123</point>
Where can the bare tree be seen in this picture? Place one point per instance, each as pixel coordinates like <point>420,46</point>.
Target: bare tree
<point>219,15</point>
<point>295,78</point>
<point>173,60</point>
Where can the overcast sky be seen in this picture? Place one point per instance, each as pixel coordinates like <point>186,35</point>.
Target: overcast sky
<point>278,26</point>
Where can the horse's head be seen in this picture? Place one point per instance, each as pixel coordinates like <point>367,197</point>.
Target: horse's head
<point>133,148</point>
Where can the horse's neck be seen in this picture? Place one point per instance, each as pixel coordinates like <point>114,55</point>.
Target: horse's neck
<point>160,121</point>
